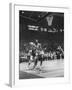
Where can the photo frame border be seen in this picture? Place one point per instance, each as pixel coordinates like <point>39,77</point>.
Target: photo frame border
<point>13,77</point>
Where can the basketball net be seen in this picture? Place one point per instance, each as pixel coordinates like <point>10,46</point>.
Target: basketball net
<point>49,20</point>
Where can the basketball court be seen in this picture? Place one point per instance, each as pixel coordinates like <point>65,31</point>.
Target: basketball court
<point>49,69</point>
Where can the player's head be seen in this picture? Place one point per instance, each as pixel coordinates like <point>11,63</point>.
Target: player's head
<point>36,41</point>
<point>59,47</point>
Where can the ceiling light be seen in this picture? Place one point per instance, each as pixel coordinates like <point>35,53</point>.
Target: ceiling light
<point>22,12</point>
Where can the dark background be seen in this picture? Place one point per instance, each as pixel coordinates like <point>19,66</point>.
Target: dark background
<point>39,19</point>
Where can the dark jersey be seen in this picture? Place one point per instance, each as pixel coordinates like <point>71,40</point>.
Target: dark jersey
<point>33,53</point>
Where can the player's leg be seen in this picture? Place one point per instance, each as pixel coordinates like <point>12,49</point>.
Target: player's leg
<point>30,60</point>
<point>41,60</point>
<point>35,62</point>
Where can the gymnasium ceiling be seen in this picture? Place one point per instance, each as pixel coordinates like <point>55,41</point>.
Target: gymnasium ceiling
<point>36,17</point>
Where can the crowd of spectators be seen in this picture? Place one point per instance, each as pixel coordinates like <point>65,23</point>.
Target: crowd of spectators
<point>52,49</point>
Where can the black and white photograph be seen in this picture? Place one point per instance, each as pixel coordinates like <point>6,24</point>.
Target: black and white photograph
<point>41,44</point>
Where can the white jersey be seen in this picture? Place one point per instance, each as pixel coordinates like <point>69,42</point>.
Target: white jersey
<point>42,52</point>
<point>38,45</point>
<point>29,53</point>
<point>31,57</point>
